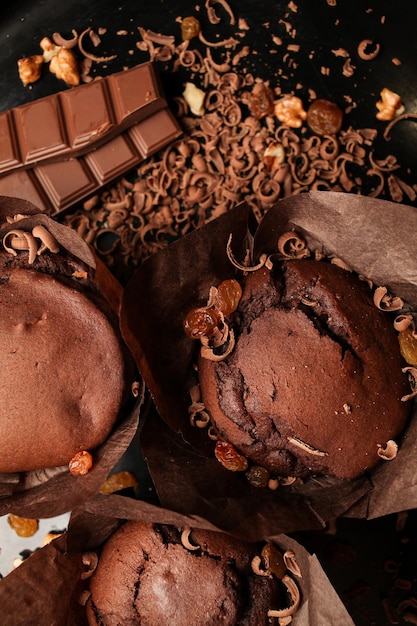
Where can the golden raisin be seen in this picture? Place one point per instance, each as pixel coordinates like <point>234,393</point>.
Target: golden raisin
<point>228,296</point>
<point>190,28</point>
<point>261,101</point>
<point>273,560</point>
<point>81,463</point>
<point>324,117</point>
<point>258,476</point>
<point>229,457</point>
<point>408,346</point>
<point>23,526</point>
<point>118,481</point>
<point>200,322</point>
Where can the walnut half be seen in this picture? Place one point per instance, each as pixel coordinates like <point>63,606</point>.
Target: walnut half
<point>65,67</point>
<point>389,106</point>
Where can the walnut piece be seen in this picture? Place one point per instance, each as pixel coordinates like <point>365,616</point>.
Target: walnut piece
<point>290,111</point>
<point>50,49</point>
<point>65,67</point>
<point>274,156</point>
<point>389,106</point>
<point>30,68</point>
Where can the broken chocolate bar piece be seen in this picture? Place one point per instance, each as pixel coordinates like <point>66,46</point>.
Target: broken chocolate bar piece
<point>54,187</point>
<point>73,122</point>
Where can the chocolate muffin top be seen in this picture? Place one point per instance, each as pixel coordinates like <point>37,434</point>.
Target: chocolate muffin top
<point>150,574</point>
<point>314,382</point>
<point>66,373</point>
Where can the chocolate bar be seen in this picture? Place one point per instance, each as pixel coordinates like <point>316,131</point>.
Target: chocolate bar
<point>72,122</point>
<point>54,187</point>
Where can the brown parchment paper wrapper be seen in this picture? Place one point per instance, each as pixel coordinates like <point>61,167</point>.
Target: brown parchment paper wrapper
<point>377,239</point>
<point>46,588</point>
<point>53,491</point>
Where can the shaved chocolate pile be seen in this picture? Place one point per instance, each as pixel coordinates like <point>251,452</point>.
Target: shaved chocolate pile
<point>228,152</point>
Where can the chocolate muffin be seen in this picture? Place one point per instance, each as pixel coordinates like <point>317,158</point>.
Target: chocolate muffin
<point>66,373</point>
<point>314,382</point>
<point>152,574</point>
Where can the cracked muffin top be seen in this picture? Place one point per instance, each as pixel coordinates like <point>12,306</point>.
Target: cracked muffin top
<point>154,574</point>
<point>314,382</point>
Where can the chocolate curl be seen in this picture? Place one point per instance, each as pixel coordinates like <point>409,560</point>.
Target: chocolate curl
<point>362,231</point>
<point>47,587</point>
<point>66,237</point>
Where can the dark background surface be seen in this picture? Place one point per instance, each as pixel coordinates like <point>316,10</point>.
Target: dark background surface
<point>363,547</point>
